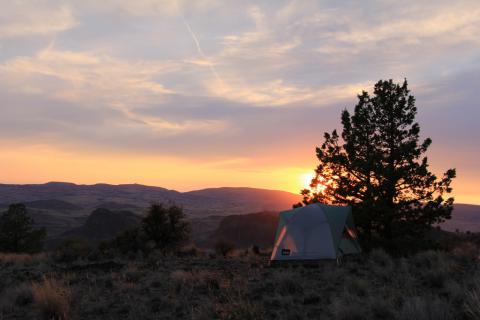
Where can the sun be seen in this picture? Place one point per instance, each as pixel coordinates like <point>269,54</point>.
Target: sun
<point>306,179</point>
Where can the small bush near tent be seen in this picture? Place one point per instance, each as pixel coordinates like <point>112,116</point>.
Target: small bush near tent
<point>224,247</point>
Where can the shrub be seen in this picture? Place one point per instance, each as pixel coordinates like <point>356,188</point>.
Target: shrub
<point>358,287</point>
<point>290,286</point>
<point>130,241</point>
<point>52,299</point>
<point>132,274</point>
<point>241,310</point>
<point>17,233</point>
<point>23,258</point>
<point>18,296</point>
<point>466,253</point>
<point>430,259</point>
<point>381,264</point>
<point>72,249</point>
<point>348,307</point>
<point>471,305</point>
<point>232,310</point>
<point>425,308</point>
<point>381,258</point>
<point>224,247</point>
<point>166,226</point>
<point>188,251</point>
<point>181,280</point>
<point>382,308</point>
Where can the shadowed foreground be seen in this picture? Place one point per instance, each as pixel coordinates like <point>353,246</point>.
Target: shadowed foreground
<point>429,285</point>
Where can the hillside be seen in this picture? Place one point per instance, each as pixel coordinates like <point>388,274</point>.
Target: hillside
<point>135,197</point>
<point>247,230</point>
<point>60,206</point>
<point>465,217</point>
<point>103,224</point>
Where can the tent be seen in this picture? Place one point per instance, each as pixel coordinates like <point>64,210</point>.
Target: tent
<point>316,231</point>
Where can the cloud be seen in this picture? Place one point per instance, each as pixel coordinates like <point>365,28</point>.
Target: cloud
<point>459,21</point>
<point>127,76</point>
<point>147,7</point>
<point>34,18</point>
<point>85,76</point>
<point>279,93</point>
<point>186,126</point>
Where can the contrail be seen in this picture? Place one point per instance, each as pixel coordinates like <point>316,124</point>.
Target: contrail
<point>199,47</point>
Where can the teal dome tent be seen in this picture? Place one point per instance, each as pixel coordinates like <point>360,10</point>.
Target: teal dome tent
<point>316,231</point>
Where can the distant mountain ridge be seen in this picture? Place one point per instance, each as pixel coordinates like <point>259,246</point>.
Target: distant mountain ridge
<point>465,217</point>
<point>63,206</point>
<point>212,201</point>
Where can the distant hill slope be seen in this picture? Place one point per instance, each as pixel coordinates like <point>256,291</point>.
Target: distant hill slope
<point>246,230</point>
<point>48,204</point>
<point>203,228</point>
<point>465,217</point>
<point>52,204</point>
<point>104,224</point>
<point>61,206</point>
<point>135,197</point>
<point>269,198</point>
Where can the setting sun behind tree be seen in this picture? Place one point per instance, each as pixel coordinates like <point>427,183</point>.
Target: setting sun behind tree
<point>306,179</point>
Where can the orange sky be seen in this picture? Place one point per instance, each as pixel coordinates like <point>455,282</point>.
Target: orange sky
<point>41,164</point>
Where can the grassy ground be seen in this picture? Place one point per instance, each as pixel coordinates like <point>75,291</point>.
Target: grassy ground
<point>429,285</point>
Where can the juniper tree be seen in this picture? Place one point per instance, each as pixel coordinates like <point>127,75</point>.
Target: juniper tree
<point>17,233</point>
<point>378,166</point>
<point>166,226</point>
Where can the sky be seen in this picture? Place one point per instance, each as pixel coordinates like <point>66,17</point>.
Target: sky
<point>207,93</point>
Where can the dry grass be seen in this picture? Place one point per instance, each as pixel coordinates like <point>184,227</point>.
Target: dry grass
<point>15,297</point>
<point>24,258</point>
<point>472,302</point>
<point>52,299</point>
<point>466,253</point>
<point>429,285</point>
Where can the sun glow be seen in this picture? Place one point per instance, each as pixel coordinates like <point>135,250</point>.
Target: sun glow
<point>306,179</point>
<point>321,183</point>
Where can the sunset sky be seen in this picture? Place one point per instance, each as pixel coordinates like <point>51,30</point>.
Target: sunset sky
<point>207,93</point>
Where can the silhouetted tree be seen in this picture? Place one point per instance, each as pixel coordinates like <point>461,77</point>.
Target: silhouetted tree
<point>17,233</point>
<point>378,167</point>
<point>166,226</point>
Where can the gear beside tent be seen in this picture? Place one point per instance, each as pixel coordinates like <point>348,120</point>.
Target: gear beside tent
<point>316,231</point>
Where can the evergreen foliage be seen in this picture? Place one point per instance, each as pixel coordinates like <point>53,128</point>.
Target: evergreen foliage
<point>17,233</point>
<point>378,166</point>
<point>166,226</point>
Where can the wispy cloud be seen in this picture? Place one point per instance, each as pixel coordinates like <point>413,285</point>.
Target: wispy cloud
<point>146,7</point>
<point>85,76</point>
<point>34,18</point>
<point>457,21</point>
<point>205,60</point>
